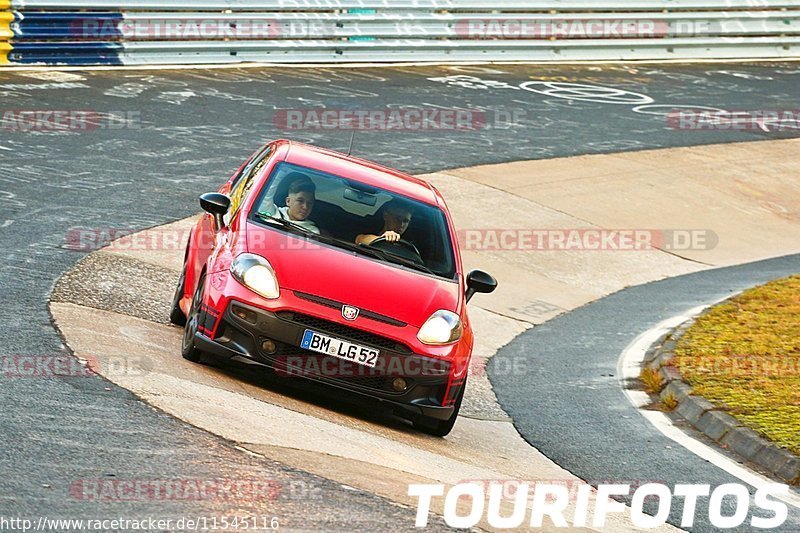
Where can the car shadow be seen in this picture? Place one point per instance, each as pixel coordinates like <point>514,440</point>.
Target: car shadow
<point>320,395</point>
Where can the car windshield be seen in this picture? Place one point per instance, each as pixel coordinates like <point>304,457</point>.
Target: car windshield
<point>351,215</point>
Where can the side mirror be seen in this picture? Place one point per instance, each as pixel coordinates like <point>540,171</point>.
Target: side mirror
<point>216,204</point>
<point>479,281</point>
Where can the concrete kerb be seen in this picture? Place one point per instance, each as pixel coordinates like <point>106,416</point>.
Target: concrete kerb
<point>712,421</point>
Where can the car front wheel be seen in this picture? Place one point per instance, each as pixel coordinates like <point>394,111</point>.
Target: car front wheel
<point>188,349</point>
<point>176,315</point>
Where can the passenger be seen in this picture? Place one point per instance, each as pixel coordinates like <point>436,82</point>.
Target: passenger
<point>299,202</point>
<point>396,217</point>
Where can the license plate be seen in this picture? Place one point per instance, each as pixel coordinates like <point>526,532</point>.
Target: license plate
<point>317,342</point>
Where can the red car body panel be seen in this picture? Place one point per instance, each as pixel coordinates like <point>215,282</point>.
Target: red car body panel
<point>331,273</point>
<point>346,277</point>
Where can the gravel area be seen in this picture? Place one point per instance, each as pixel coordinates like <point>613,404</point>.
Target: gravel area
<point>479,399</point>
<point>114,282</point>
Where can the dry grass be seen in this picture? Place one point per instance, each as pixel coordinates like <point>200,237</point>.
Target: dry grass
<point>669,402</point>
<point>744,356</point>
<point>652,380</point>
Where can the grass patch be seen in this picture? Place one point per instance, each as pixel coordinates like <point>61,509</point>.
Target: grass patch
<point>652,380</point>
<point>669,402</point>
<point>744,356</point>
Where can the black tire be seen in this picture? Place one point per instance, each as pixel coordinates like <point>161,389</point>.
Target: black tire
<point>188,350</point>
<point>176,315</point>
<point>440,428</point>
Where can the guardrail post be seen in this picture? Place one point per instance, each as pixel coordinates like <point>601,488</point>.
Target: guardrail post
<point>6,18</point>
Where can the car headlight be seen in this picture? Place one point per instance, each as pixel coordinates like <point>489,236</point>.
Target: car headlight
<point>443,327</point>
<point>255,273</point>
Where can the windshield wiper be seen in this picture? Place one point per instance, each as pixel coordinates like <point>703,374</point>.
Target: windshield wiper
<point>353,246</point>
<point>403,261</point>
<point>376,253</point>
<point>386,256</point>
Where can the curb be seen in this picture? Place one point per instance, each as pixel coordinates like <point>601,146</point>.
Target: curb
<point>715,423</point>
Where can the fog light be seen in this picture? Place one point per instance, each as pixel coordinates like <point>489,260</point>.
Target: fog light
<point>399,384</point>
<point>245,314</point>
<point>269,346</point>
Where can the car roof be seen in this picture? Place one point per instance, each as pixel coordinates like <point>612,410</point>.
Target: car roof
<point>359,169</point>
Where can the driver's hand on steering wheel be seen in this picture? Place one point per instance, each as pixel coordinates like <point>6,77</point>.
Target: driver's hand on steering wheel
<point>391,236</point>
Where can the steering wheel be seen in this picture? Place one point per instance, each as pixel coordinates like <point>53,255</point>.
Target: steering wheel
<point>401,248</point>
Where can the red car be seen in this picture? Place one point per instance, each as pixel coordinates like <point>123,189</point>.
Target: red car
<point>328,267</point>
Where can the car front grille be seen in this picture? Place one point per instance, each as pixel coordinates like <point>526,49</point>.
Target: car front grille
<point>345,332</point>
<point>338,305</point>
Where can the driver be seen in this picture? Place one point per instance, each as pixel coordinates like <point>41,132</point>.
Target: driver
<point>396,217</point>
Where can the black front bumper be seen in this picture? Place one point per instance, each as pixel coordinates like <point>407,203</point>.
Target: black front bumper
<point>243,329</point>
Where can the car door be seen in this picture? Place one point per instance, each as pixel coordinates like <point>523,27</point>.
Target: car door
<point>208,240</point>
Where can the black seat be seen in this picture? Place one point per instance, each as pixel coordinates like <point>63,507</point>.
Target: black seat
<point>333,219</point>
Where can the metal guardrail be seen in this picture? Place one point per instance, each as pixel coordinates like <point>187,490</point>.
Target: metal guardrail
<point>199,25</point>
<point>406,5</point>
<point>136,32</point>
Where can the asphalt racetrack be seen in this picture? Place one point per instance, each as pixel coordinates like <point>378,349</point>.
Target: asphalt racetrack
<point>176,134</point>
<point>570,405</point>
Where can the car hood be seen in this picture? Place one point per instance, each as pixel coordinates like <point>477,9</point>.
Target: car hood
<point>352,279</point>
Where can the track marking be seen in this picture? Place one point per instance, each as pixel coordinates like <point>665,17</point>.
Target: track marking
<point>629,366</point>
<point>221,66</point>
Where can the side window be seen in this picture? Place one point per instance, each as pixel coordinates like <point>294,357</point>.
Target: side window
<point>241,173</point>
<point>243,183</point>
